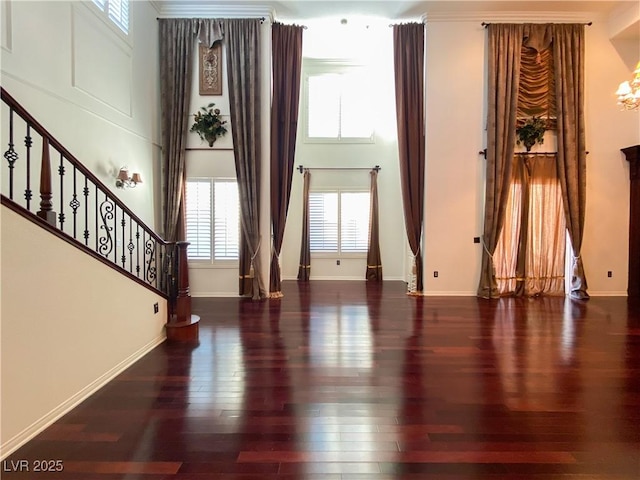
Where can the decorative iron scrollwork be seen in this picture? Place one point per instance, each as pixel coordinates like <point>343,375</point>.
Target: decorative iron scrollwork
<point>150,252</point>
<point>105,242</point>
<point>11,156</point>
<point>74,203</point>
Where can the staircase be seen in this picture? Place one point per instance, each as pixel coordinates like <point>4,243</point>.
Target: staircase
<point>43,182</point>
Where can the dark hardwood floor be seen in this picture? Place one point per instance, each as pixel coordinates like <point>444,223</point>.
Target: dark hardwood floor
<point>357,381</point>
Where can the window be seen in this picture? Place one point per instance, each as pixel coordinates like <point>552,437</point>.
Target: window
<point>117,11</point>
<point>213,219</point>
<point>338,103</point>
<point>339,222</point>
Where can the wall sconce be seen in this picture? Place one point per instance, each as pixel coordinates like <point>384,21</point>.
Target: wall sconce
<point>629,92</point>
<point>124,180</point>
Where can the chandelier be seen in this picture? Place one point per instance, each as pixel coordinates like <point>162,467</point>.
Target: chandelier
<point>629,92</point>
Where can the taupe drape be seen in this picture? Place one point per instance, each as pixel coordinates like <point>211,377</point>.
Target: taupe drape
<point>505,42</point>
<point>568,51</point>
<point>374,260</point>
<point>286,45</point>
<point>242,38</point>
<point>176,72</point>
<point>408,50</point>
<point>304,270</point>
<point>530,256</point>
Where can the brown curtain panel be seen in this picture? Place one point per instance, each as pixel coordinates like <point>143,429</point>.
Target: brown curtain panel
<point>374,260</point>
<point>408,50</point>
<point>242,38</point>
<point>176,71</point>
<point>304,270</point>
<point>505,42</point>
<point>568,51</point>
<point>286,45</point>
<point>245,276</point>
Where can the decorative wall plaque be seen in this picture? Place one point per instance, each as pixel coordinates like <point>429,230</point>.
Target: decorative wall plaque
<point>210,69</point>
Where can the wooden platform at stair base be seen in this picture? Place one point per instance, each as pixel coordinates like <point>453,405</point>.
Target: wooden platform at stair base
<point>183,331</point>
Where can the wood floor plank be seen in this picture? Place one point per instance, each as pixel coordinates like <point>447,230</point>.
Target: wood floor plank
<point>358,381</point>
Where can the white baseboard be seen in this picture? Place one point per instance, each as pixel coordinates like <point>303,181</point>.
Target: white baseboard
<point>214,294</point>
<point>449,294</point>
<point>336,279</point>
<point>614,293</point>
<point>38,426</point>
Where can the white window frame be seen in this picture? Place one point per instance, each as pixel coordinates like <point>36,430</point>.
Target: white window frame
<point>339,251</point>
<point>106,13</point>
<point>214,262</point>
<point>318,67</point>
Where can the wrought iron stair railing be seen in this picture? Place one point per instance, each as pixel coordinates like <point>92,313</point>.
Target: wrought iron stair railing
<point>75,205</point>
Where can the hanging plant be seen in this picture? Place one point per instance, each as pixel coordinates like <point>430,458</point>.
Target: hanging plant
<point>208,124</point>
<point>531,132</point>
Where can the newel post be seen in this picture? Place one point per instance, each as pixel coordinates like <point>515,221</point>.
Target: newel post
<point>182,325</point>
<point>46,204</point>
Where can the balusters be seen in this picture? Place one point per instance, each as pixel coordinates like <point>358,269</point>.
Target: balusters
<point>130,245</point>
<point>96,217</point>
<point>138,251</point>
<point>106,214</point>
<point>61,175</point>
<point>74,203</point>
<point>28,142</point>
<point>85,192</point>
<point>123,258</point>
<point>10,155</point>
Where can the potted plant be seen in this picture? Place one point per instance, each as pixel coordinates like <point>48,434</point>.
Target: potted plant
<point>208,124</point>
<point>531,132</point>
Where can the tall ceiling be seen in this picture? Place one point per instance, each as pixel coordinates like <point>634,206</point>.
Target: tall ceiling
<point>625,13</point>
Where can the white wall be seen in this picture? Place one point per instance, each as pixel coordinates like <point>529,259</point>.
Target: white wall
<point>454,186</point>
<point>331,39</point>
<point>65,331</point>
<point>93,88</point>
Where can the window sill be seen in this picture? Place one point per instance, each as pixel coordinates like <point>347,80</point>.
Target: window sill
<point>216,265</point>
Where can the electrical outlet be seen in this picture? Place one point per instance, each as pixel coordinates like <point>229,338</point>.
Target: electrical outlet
<point>476,239</point>
<point>337,262</point>
<point>435,274</point>
<point>609,274</point>
<point>156,307</point>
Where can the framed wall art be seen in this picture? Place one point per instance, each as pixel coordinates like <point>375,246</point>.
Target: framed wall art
<point>210,69</point>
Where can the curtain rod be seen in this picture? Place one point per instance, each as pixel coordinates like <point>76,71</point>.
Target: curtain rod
<point>262,19</point>
<point>406,23</point>
<point>484,153</point>
<point>588,24</point>
<point>377,168</point>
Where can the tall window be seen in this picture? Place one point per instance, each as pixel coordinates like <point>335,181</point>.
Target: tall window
<point>117,11</point>
<point>338,103</point>
<point>212,212</point>
<point>339,222</point>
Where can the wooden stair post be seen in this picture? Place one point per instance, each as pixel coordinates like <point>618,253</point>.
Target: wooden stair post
<point>182,325</point>
<point>46,193</point>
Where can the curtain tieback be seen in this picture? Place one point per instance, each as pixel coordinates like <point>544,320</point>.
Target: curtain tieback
<point>253,257</point>
<point>484,245</point>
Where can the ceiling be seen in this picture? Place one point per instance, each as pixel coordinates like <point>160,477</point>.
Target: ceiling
<point>626,13</point>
